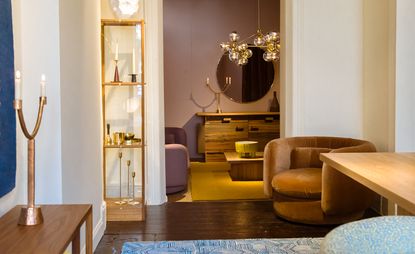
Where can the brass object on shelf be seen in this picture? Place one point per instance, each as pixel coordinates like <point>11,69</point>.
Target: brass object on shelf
<point>128,199</point>
<point>30,215</point>
<point>118,138</point>
<point>133,202</point>
<point>129,138</point>
<point>120,202</point>
<point>108,139</point>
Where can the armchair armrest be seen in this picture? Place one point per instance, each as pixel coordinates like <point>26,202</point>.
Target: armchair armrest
<point>276,159</point>
<point>177,164</point>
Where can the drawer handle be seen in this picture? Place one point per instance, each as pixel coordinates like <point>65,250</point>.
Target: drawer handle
<point>226,120</point>
<point>239,129</point>
<point>254,129</point>
<point>268,119</point>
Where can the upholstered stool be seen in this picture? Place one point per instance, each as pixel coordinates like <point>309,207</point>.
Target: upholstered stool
<point>386,234</point>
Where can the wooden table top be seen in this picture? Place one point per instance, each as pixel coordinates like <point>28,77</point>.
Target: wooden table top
<point>391,175</point>
<point>234,157</point>
<point>52,236</point>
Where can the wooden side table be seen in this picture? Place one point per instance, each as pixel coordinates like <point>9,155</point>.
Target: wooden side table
<point>61,226</point>
<point>245,169</point>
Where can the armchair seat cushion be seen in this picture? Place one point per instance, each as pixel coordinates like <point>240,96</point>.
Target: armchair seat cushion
<point>299,183</point>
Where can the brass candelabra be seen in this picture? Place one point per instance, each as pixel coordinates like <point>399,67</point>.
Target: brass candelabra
<point>217,94</point>
<point>31,214</point>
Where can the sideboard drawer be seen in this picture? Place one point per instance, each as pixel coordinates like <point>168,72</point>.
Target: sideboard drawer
<point>220,131</point>
<point>220,137</point>
<point>261,126</point>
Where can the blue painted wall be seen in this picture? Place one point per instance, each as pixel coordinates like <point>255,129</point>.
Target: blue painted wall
<point>7,114</point>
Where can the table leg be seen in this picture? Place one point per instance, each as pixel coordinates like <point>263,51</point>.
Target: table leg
<point>88,232</point>
<point>76,243</point>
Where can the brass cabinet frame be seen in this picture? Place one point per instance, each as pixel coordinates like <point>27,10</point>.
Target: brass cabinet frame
<point>107,22</point>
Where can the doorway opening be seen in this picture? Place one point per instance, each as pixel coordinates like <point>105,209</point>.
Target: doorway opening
<point>193,30</point>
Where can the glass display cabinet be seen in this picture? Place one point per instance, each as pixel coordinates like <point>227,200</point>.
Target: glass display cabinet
<point>122,55</point>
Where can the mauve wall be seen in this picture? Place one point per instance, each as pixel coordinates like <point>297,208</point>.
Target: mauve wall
<point>193,30</point>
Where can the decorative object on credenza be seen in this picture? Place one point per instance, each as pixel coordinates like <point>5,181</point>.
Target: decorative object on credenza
<point>246,149</point>
<point>133,202</point>
<point>275,105</point>
<point>31,214</point>
<point>120,202</point>
<point>239,52</point>
<point>217,94</point>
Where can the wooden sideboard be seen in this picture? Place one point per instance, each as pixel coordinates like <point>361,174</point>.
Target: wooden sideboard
<point>220,131</point>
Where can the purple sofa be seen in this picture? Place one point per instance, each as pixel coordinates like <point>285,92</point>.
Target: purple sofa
<point>177,159</point>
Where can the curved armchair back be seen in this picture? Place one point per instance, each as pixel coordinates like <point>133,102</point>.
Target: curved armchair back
<point>280,154</point>
<point>175,135</point>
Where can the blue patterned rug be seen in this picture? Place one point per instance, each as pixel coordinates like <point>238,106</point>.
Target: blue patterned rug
<point>251,246</point>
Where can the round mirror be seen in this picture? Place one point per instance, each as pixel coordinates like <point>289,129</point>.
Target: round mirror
<point>246,83</point>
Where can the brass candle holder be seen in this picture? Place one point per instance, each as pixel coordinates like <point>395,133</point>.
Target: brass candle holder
<point>31,214</point>
<point>120,202</point>
<point>133,202</point>
<point>217,94</point>
<point>116,74</point>
<point>128,199</point>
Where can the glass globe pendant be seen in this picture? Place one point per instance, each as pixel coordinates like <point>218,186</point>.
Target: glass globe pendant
<point>124,9</point>
<point>259,39</point>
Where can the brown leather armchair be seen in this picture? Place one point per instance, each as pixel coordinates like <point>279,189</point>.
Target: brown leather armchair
<point>307,191</point>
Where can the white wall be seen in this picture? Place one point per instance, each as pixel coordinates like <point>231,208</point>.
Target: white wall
<point>154,104</point>
<point>80,39</point>
<point>37,51</point>
<point>405,75</point>
<point>40,54</point>
<point>326,68</point>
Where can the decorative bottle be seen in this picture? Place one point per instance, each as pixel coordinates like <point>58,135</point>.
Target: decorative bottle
<point>108,139</point>
<point>275,106</point>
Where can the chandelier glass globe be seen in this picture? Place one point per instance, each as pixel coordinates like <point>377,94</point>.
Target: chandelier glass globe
<point>124,9</point>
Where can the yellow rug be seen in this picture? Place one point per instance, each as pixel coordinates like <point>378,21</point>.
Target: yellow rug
<point>211,181</point>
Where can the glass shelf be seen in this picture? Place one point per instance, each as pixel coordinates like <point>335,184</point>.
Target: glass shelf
<point>123,84</point>
<point>135,145</point>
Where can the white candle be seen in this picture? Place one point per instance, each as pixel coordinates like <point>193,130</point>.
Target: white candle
<point>116,52</point>
<point>18,86</point>
<point>207,80</point>
<point>133,63</point>
<point>43,86</point>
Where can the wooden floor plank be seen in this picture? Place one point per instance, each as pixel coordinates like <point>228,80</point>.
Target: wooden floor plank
<point>207,220</point>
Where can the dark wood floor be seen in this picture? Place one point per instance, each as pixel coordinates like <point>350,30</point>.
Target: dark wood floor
<point>206,220</point>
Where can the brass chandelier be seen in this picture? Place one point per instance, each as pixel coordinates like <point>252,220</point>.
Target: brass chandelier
<point>239,52</point>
